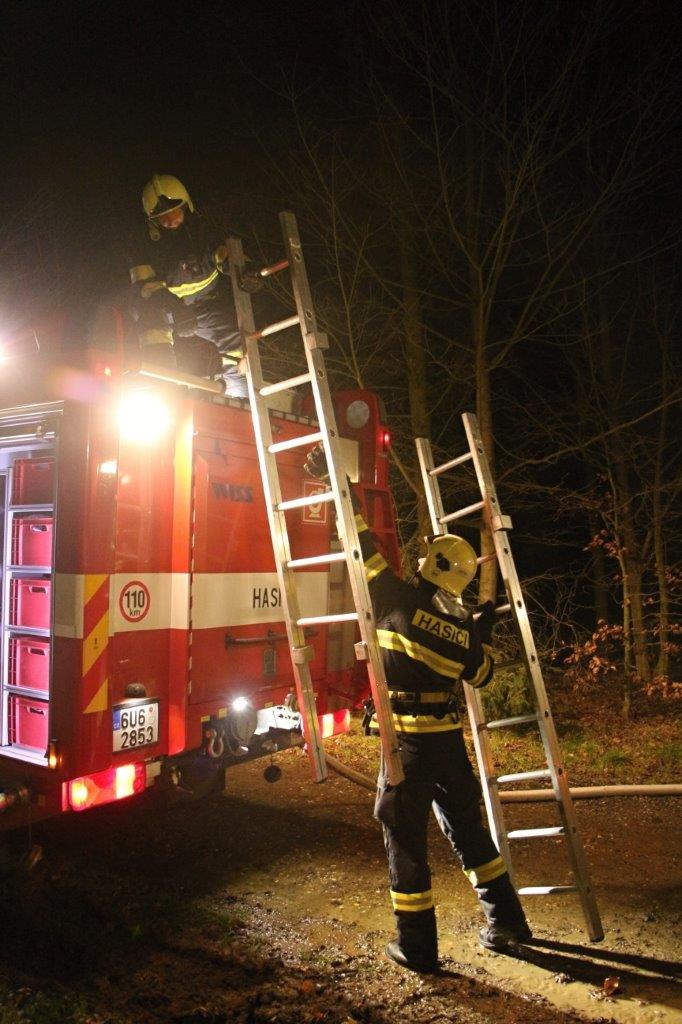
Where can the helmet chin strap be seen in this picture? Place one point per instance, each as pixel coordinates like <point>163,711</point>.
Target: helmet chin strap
<point>446,603</point>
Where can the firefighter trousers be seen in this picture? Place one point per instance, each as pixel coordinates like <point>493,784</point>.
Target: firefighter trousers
<point>217,323</point>
<point>438,774</point>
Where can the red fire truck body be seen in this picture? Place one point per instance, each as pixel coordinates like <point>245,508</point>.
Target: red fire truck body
<point>142,633</point>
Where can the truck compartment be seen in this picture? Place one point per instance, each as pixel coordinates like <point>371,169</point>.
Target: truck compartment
<point>27,524</point>
<point>29,603</point>
<point>32,540</point>
<point>29,663</point>
<point>33,481</point>
<point>29,723</point>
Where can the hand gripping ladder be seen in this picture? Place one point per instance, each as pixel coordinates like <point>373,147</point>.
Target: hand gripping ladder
<point>542,716</point>
<point>314,342</point>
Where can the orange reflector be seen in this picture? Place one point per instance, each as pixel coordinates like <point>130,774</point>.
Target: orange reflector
<point>334,723</point>
<point>53,758</point>
<point>107,786</point>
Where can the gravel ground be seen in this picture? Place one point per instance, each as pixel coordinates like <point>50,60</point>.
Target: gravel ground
<point>269,903</point>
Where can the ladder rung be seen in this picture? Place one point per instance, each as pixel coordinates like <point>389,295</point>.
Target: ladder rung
<point>275,268</point>
<point>294,442</point>
<point>486,558</point>
<point>508,723</point>
<point>546,890</point>
<point>536,833</point>
<point>451,464</point>
<point>541,773</point>
<point>462,513</point>
<point>281,325</point>
<point>332,556</point>
<point>307,499</point>
<point>316,620</point>
<point>284,385</point>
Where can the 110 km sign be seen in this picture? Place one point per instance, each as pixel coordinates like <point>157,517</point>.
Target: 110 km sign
<point>134,601</point>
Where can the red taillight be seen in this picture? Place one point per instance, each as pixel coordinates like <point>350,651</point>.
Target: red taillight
<point>385,439</point>
<point>335,722</point>
<point>105,787</point>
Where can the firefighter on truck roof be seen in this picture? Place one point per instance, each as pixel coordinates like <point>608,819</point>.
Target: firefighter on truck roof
<point>429,641</point>
<point>180,290</point>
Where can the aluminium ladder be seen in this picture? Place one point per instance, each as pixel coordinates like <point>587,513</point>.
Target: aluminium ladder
<point>314,343</point>
<point>498,525</point>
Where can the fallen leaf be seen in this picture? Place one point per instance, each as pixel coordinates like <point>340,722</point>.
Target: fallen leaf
<point>611,985</point>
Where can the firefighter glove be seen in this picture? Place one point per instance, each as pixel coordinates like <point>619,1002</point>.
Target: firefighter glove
<point>316,463</point>
<point>250,280</point>
<point>486,621</point>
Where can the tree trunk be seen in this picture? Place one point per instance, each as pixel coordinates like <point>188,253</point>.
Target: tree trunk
<point>415,360</point>
<point>487,588</point>
<point>599,576</point>
<point>633,566</point>
<point>663,662</point>
<point>487,583</point>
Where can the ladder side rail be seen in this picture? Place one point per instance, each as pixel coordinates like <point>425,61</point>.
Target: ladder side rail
<point>480,737</point>
<point>545,721</point>
<point>486,767</point>
<point>314,342</point>
<point>431,485</point>
<point>300,652</point>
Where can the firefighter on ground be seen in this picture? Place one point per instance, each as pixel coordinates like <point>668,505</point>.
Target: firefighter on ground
<point>179,286</point>
<point>429,641</point>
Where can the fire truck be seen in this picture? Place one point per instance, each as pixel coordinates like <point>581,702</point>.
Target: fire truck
<point>142,641</point>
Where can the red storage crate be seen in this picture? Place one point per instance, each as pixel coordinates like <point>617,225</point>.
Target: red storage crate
<point>29,663</point>
<point>33,481</point>
<point>32,540</point>
<point>29,723</point>
<point>30,603</point>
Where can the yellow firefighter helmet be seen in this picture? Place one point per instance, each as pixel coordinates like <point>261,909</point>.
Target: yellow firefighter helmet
<point>450,563</point>
<point>164,193</point>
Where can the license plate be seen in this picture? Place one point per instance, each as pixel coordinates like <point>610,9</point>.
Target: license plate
<point>136,725</point>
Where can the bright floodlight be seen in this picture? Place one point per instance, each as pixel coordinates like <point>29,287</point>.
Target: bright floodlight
<point>240,704</point>
<point>143,417</point>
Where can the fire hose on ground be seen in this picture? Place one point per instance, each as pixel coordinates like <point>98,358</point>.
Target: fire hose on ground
<point>531,795</point>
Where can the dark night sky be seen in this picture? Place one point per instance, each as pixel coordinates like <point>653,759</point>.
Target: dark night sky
<point>97,96</point>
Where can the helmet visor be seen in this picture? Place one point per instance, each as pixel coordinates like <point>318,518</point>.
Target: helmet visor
<point>166,205</point>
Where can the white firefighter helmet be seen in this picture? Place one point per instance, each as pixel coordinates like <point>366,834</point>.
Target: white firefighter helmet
<point>163,193</point>
<point>450,563</point>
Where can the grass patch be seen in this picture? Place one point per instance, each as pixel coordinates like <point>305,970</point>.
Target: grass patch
<point>507,695</point>
<point>24,1006</point>
<point>670,755</point>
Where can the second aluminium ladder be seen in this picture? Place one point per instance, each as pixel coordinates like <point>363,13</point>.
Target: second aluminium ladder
<point>314,343</point>
<point>488,507</point>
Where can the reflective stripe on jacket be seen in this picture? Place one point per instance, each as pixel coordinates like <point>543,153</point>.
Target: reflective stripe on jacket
<point>424,651</point>
<point>183,262</point>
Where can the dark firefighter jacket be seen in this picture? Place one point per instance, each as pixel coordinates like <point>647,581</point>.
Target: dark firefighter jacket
<point>181,268</point>
<point>425,651</point>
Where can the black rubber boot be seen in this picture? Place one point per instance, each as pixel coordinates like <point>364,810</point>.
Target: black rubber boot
<point>416,947</point>
<point>507,923</point>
